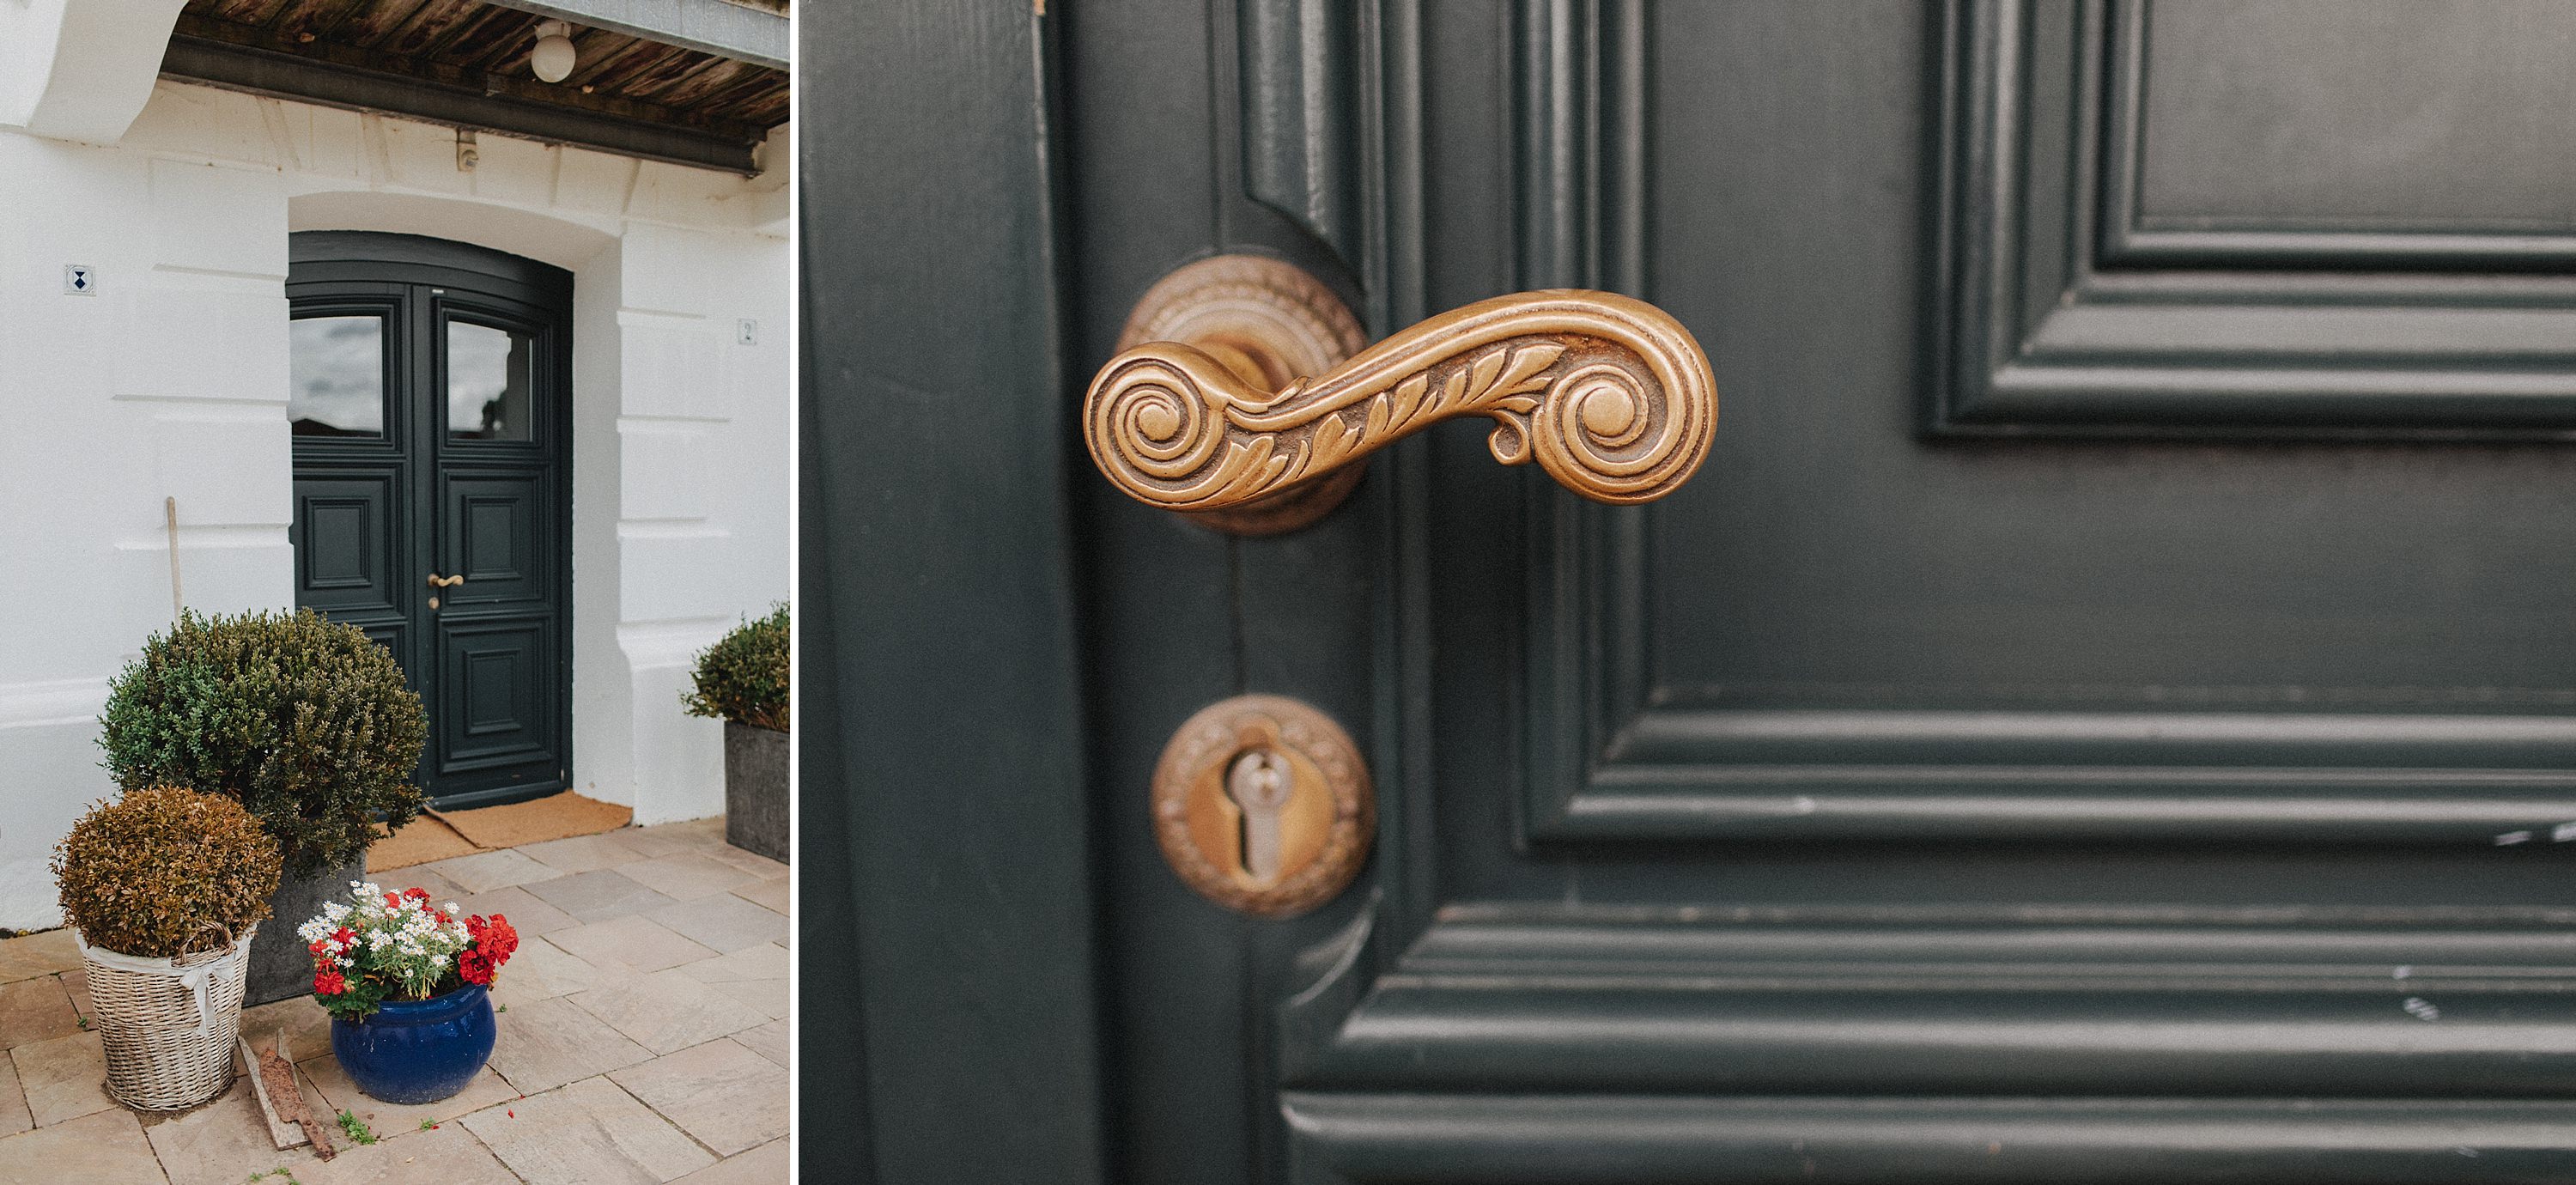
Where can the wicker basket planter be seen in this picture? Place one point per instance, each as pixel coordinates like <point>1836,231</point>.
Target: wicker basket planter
<point>168,1024</point>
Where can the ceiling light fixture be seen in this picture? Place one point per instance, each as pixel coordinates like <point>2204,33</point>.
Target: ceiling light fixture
<point>554,57</point>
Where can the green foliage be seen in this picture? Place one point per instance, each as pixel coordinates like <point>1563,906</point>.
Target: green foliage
<point>305,721</point>
<point>743,677</point>
<point>144,874</point>
<point>356,1128</point>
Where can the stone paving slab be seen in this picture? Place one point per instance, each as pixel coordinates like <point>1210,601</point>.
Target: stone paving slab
<point>731,1099</point>
<point>528,913</point>
<point>324,1078</point>
<point>101,1148</point>
<point>632,942</point>
<point>33,1010</point>
<point>751,862</point>
<point>14,1116</point>
<point>542,970</point>
<point>766,961</point>
<point>599,895</point>
<point>764,1165</point>
<point>50,953</point>
<point>771,894</point>
<point>583,853</point>
<point>440,888</point>
<point>769,1041</point>
<point>483,872</point>
<point>450,1155</point>
<point>668,1011</point>
<point>722,923</point>
<point>601,1016</point>
<point>551,1042</point>
<point>590,1132</point>
<point>685,876</point>
<point>205,1146</point>
<point>64,1078</point>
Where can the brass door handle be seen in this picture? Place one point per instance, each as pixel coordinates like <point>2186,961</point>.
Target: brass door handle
<point>438,581</point>
<point>1610,395</point>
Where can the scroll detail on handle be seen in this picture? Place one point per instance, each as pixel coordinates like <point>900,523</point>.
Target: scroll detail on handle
<point>1610,395</point>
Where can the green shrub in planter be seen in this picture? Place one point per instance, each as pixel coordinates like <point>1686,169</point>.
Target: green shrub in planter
<point>143,875</point>
<point>303,721</point>
<point>743,677</point>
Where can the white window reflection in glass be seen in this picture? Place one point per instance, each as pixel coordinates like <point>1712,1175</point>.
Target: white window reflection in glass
<point>336,372</point>
<point>487,382</point>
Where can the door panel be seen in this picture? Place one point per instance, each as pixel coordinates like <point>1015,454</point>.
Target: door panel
<point>464,480</point>
<point>495,524</point>
<point>2101,713</point>
<point>2116,652</point>
<point>344,553</point>
<point>494,702</point>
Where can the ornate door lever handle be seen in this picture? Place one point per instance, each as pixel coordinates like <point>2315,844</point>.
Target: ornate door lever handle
<point>1610,395</point>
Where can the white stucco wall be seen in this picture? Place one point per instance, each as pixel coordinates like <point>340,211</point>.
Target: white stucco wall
<point>170,381</point>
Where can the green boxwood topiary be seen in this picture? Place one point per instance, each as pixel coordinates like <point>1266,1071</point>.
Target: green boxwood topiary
<point>304,721</point>
<point>145,874</point>
<point>743,677</point>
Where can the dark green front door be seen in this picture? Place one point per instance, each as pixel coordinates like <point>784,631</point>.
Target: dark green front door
<point>432,489</point>
<point>2102,713</point>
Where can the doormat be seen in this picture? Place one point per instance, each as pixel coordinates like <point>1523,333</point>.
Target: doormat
<point>420,841</point>
<point>555,816</point>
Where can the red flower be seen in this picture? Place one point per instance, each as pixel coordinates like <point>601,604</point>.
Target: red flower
<point>393,901</point>
<point>329,983</point>
<point>344,935</point>
<point>416,893</point>
<point>493,941</point>
<point>319,945</point>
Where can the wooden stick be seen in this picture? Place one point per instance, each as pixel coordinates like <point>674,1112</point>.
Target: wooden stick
<point>170,509</point>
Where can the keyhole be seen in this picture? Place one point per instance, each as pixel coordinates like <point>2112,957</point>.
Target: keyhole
<point>1258,783</point>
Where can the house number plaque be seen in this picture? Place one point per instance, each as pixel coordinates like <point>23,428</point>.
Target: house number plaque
<point>1262,804</point>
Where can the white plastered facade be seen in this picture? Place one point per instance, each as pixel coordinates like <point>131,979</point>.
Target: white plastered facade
<point>169,380</point>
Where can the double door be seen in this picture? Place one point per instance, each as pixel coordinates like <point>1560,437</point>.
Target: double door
<point>431,422</point>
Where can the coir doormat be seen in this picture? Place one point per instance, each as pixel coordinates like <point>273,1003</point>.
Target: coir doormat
<point>438,835</point>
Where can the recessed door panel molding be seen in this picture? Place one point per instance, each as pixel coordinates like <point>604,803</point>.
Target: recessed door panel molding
<point>1618,750</point>
<point>2336,132</point>
<point>496,522</point>
<point>494,698</point>
<point>344,538</point>
<point>2111,262</point>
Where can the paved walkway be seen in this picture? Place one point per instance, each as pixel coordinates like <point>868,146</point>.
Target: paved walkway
<point>643,1039</point>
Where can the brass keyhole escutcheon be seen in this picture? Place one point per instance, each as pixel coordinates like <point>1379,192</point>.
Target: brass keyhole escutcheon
<point>1263,804</point>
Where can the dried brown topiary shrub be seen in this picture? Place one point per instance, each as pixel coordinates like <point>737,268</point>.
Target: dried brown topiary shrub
<point>142,875</point>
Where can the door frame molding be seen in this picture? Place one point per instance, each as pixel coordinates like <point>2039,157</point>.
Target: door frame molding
<point>945,924</point>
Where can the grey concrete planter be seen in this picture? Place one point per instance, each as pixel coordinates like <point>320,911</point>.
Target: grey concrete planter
<point>279,965</point>
<point>756,790</point>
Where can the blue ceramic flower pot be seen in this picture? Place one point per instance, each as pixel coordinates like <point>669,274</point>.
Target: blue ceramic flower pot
<point>417,1051</point>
